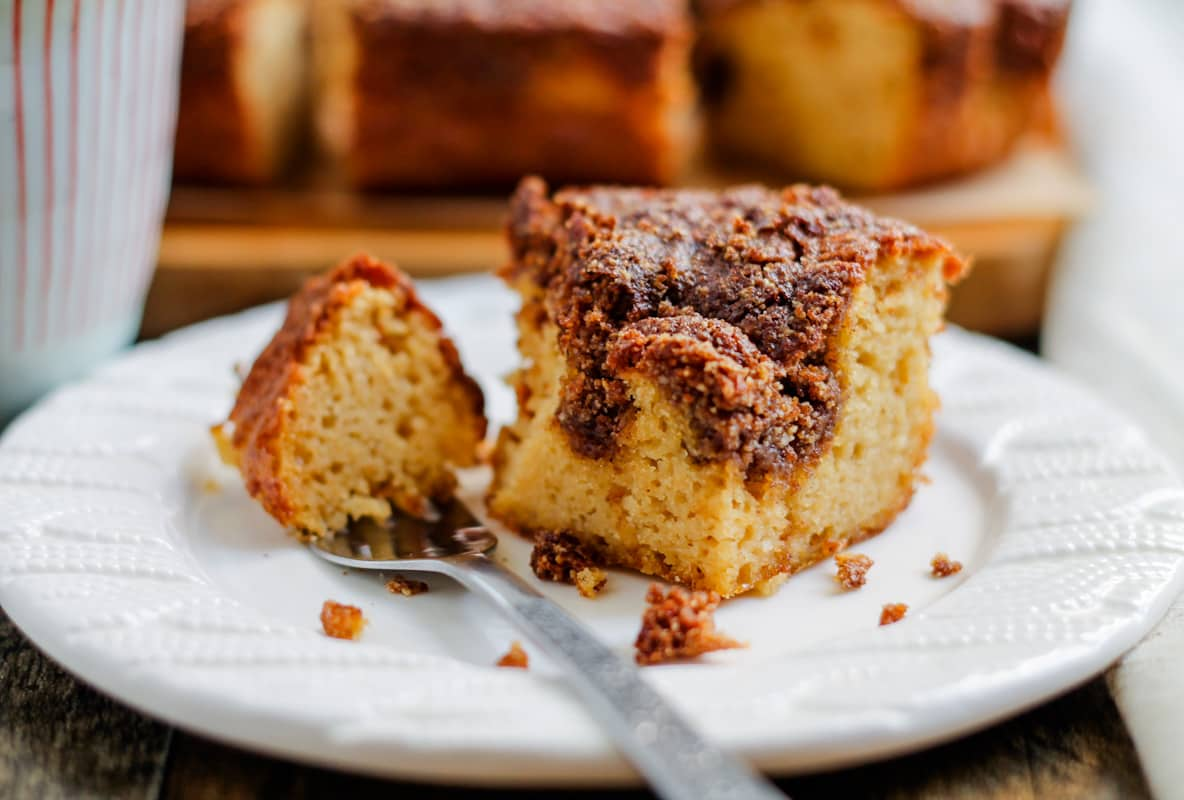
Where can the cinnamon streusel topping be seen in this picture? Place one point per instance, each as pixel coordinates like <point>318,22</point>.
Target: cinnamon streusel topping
<point>730,301</point>
<point>679,624</point>
<point>562,558</point>
<point>852,569</point>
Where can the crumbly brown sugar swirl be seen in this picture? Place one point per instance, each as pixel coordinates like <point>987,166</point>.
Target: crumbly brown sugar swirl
<point>730,302</point>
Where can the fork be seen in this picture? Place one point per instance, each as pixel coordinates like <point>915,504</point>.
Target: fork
<point>676,760</point>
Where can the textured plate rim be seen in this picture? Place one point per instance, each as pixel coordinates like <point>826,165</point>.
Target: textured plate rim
<point>577,760</point>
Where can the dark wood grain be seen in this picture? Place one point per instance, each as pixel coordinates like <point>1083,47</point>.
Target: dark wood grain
<point>1073,747</point>
<point>61,739</point>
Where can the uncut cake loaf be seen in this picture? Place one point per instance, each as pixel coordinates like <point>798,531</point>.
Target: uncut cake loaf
<point>242,90</point>
<point>875,94</point>
<point>445,93</point>
<point>358,403</point>
<point>719,388</point>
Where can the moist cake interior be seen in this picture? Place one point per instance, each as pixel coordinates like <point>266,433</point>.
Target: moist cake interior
<point>359,402</point>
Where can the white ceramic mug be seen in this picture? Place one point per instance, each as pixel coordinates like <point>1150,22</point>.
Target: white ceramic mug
<point>88,97</point>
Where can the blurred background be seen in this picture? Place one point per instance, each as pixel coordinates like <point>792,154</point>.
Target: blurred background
<point>1041,137</point>
<point>311,129</point>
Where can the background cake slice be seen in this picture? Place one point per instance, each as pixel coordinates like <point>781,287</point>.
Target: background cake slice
<point>243,82</point>
<point>358,402</point>
<point>718,388</point>
<point>439,93</point>
<point>875,94</point>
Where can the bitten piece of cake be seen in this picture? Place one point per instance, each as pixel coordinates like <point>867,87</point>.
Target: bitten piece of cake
<point>358,403</point>
<point>718,387</point>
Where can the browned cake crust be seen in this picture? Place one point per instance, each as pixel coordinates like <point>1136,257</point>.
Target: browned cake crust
<point>1012,47</point>
<point>972,80</point>
<point>729,301</point>
<point>212,138</point>
<point>257,425</point>
<point>224,132</point>
<point>471,92</point>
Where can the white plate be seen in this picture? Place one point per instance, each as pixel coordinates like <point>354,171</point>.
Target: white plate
<point>133,559</point>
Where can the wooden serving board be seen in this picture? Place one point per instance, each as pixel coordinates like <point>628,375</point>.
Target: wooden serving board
<point>224,249</point>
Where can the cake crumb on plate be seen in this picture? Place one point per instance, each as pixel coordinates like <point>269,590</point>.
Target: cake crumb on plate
<point>852,569</point>
<point>893,612</point>
<point>679,624</point>
<point>943,566</point>
<point>563,558</point>
<point>515,657</point>
<point>408,587</point>
<point>341,621</point>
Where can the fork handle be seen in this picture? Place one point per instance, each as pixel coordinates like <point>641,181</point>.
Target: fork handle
<point>678,763</point>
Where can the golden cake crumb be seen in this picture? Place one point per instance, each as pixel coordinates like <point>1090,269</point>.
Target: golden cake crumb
<point>943,566</point>
<point>563,558</point>
<point>852,569</point>
<point>407,587</point>
<point>515,657</point>
<point>341,621</point>
<point>893,612</point>
<point>679,624</point>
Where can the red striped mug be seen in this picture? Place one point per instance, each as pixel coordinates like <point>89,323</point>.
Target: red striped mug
<point>88,96</point>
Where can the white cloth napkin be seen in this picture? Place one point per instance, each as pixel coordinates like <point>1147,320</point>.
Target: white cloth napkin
<point>1116,311</point>
<point>1147,687</point>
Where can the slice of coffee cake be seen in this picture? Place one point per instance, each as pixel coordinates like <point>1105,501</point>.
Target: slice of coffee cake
<point>452,93</point>
<point>719,387</point>
<point>358,402</point>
